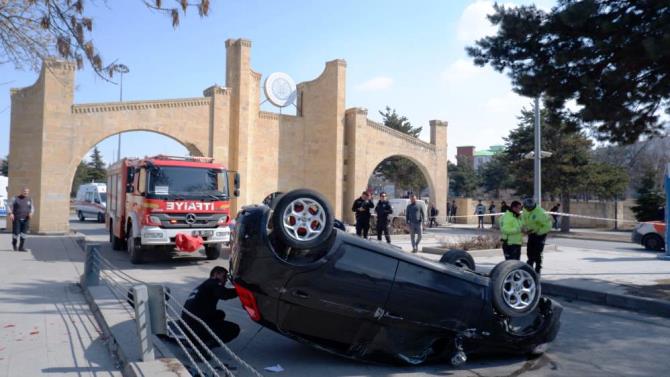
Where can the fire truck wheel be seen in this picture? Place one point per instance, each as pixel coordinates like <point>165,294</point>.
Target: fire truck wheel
<point>117,243</point>
<point>213,251</point>
<point>134,248</point>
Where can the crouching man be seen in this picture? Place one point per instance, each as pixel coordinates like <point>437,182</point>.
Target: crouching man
<point>202,303</point>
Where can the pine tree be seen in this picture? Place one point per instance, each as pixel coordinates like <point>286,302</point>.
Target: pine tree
<point>649,198</point>
<point>96,167</point>
<point>463,180</point>
<point>4,170</point>
<point>400,123</point>
<point>80,177</point>
<point>611,56</point>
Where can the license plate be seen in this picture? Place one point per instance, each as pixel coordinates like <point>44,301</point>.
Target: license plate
<point>202,233</point>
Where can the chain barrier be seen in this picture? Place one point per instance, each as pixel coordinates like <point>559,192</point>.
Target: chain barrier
<point>120,284</point>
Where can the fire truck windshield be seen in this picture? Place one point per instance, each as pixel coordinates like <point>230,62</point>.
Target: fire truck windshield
<point>187,182</point>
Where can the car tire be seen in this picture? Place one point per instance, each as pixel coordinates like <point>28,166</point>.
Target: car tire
<point>101,218</point>
<point>515,288</point>
<point>134,248</point>
<point>459,258</point>
<point>303,219</point>
<point>117,243</point>
<point>80,215</point>
<point>653,242</point>
<point>213,251</point>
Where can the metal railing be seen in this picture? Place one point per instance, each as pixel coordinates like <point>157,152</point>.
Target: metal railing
<point>157,311</point>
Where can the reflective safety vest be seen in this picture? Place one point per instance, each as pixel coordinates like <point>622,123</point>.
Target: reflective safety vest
<point>536,221</point>
<point>510,228</point>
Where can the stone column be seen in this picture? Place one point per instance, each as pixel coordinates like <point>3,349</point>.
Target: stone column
<point>356,180</point>
<point>438,138</point>
<point>39,145</point>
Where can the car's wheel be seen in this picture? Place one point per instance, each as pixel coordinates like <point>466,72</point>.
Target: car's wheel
<point>460,258</point>
<point>653,242</point>
<point>515,288</point>
<point>213,251</point>
<point>117,243</point>
<point>101,217</point>
<point>303,219</point>
<point>134,248</point>
<point>80,215</point>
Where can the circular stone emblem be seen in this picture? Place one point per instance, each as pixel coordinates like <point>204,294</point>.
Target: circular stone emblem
<point>280,89</point>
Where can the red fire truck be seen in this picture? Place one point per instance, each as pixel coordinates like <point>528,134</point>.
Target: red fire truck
<point>152,200</point>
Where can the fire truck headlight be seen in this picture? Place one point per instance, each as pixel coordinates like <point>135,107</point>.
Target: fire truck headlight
<point>154,220</point>
<point>223,220</point>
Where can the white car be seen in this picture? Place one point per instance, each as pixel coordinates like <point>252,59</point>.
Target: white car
<point>91,201</point>
<point>651,235</point>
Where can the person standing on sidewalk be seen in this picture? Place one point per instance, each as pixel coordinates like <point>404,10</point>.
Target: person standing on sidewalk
<point>511,226</point>
<point>433,215</point>
<point>454,210</point>
<point>504,207</point>
<point>21,210</point>
<point>362,207</point>
<point>537,225</point>
<point>448,212</point>
<point>480,210</point>
<point>414,217</point>
<point>555,209</point>
<point>492,210</point>
<point>383,210</point>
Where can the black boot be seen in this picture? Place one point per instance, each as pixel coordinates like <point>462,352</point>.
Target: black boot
<point>21,242</point>
<point>14,244</point>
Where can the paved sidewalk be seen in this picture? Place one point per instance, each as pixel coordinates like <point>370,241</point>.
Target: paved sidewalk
<point>46,327</point>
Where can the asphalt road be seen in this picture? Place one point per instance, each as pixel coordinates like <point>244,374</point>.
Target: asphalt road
<point>593,341</point>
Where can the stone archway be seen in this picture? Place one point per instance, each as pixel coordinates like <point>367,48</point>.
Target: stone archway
<point>422,170</point>
<point>323,147</point>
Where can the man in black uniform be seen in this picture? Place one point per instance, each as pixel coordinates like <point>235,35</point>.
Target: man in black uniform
<point>202,303</point>
<point>383,210</point>
<point>362,207</point>
<point>20,210</point>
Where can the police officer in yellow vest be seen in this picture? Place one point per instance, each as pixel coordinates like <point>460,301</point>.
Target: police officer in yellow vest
<point>511,226</point>
<point>537,224</point>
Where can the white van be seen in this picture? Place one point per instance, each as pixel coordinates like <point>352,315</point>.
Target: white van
<point>3,196</point>
<point>91,201</point>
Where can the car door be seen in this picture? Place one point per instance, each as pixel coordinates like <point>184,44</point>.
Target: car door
<point>428,302</point>
<point>338,304</point>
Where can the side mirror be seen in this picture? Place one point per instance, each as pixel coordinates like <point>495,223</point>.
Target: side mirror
<point>236,182</point>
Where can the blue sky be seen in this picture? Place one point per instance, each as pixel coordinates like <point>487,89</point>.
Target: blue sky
<point>408,55</point>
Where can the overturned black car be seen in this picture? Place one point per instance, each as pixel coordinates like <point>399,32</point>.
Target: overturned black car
<point>299,275</point>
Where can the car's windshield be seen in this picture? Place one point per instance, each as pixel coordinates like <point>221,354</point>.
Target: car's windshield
<point>188,182</point>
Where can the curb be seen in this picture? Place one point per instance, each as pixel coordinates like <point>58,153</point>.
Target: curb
<point>628,302</point>
<point>605,238</point>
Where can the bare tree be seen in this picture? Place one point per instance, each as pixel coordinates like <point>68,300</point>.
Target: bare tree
<point>31,30</point>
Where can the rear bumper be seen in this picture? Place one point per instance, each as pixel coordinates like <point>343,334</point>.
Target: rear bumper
<point>161,236</point>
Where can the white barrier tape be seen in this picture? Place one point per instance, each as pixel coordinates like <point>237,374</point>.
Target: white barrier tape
<point>496,214</point>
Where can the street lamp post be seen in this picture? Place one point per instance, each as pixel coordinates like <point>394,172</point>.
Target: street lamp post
<point>121,69</point>
<point>537,170</point>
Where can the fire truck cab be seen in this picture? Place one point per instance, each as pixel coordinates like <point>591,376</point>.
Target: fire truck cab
<point>152,200</point>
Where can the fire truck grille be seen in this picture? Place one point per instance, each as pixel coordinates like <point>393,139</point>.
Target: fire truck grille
<point>190,220</point>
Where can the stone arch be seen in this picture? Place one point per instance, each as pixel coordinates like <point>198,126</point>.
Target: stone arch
<point>422,169</point>
<point>72,167</point>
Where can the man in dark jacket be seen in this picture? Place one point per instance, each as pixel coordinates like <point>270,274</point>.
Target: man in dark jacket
<point>415,217</point>
<point>433,216</point>
<point>383,210</point>
<point>202,303</point>
<point>362,207</point>
<point>20,210</point>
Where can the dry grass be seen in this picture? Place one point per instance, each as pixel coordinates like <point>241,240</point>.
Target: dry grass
<point>481,242</point>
